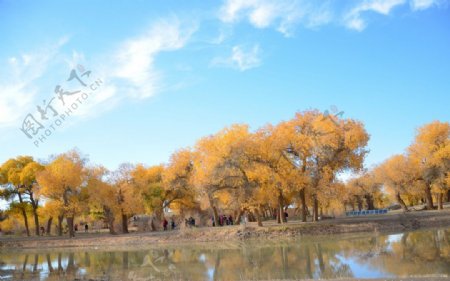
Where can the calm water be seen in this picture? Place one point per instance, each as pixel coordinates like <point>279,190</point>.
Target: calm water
<point>419,253</point>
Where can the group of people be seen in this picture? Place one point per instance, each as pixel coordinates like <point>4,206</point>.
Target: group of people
<point>166,224</point>
<point>223,220</point>
<point>190,222</point>
<point>86,227</point>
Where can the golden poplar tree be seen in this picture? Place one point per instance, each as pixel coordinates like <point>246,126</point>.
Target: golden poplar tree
<point>61,181</point>
<point>431,153</point>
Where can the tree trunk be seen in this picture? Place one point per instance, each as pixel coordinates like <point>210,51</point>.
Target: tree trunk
<point>315,208</point>
<point>270,211</point>
<point>70,225</point>
<point>35,264</point>
<point>278,216</point>
<point>303,202</point>
<point>60,268</point>
<point>152,225</point>
<point>401,202</point>
<point>70,263</point>
<point>216,216</point>
<point>25,262</point>
<point>281,209</point>
<point>124,223</point>
<point>36,220</point>
<point>49,226</point>
<point>263,214</point>
<point>216,267</point>
<point>110,217</point>
<point>237,220</point>
<point>35,206</point>
<point>359,202</point>
<point>258,217</point>
<point>448,195</point>
<point>111,220</point>
<point>320,259</point>
<point>429,198</point>
<point>251,217</point>
<point>60,221</point>
<point>49,263</point>
<point>308,262</point>
<point>440,201</point>
<point>369,201</point>
<point>24,213</point>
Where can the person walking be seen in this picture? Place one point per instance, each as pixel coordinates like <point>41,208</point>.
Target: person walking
<point>165,223</point>
<point>230,219</point>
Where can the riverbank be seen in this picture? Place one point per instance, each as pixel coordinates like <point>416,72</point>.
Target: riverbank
<point>389,223</point>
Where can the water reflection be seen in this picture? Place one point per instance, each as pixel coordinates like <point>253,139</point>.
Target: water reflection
<point>400,255</point>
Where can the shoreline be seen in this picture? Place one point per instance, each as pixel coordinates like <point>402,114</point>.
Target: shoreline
<point>377,224</point>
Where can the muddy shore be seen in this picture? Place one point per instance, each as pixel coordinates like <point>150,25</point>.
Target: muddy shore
<point>390,223</point>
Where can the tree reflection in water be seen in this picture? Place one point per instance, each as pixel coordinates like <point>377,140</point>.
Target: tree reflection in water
<point>413,253</point>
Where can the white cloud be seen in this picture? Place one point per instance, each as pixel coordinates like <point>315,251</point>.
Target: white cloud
<point>223,35</point>
<point>128,71</point>
<point>135,57</point>
<point>14,99</point>
<point>241,58</point>
<point>282,14</point>
<point>422,4</point>
<point>18,89</point>
<point>320,16</point>
<point>353,19</point>
<point>286,15</point>
<point>246,59</point>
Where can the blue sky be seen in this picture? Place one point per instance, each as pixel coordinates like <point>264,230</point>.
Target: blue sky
<point>174,71</point>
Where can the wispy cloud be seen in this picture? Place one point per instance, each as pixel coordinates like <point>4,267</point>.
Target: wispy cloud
<point>354,20</point>
<point>134,60</point>
<point>281,14</point>
<point>128,71</point>
<point>129,68</point>
<point>286,15</point>
<point>241,58</point>
<point>18,84</point>
<point>423,4</point>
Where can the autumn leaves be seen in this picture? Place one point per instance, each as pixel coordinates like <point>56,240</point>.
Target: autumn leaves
<point>296,161</point>
<point>235,171</point>
<point>423,171</point>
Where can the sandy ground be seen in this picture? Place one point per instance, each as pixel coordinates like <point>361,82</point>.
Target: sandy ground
<point>389,223</point>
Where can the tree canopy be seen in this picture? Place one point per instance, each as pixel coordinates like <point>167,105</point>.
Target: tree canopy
<point>297,164</point>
